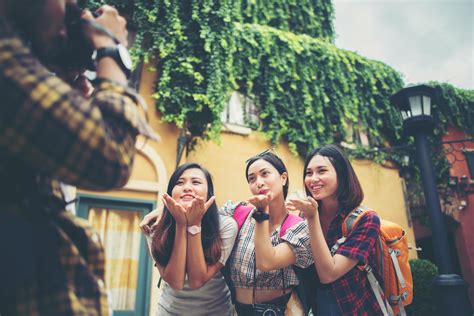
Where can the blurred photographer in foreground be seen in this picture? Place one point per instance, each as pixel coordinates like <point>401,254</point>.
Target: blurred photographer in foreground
<point>52,263</point>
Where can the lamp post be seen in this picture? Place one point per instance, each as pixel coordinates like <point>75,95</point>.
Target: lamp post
<point>414,103</point>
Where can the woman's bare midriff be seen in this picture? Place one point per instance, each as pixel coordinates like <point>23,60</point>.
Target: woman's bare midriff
<point>244,296</point>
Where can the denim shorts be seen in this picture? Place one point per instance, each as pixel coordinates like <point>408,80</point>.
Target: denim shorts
<point>326,304</point>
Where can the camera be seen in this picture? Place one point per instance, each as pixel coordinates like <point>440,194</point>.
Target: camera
<point>76,51</point>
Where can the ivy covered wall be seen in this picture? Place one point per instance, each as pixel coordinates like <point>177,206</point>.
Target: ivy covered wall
<point>313,18</point>
<point>307,90</point>
<point>310,92</point>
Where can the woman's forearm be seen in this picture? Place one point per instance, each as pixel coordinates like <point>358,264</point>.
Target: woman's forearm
<point>264,251</point>
<point>175,271</point>
<point>329,268</point>
<point>196,265</point>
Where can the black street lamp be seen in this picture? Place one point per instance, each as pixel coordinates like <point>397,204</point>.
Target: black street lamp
<point>414,103</point>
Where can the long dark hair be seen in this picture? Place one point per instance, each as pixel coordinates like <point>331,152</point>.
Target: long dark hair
<point>349,190</point>
<point>163,238</point>
<point>275,161</point>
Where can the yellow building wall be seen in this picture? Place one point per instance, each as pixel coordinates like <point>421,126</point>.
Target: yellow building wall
<point>226,163</point>
<point>384,193</point>
<point>382,186</point>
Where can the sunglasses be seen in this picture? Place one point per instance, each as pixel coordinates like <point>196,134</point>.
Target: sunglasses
<point>263,153</point>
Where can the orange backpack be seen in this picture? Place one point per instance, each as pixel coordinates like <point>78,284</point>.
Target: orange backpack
<point>392,262</point>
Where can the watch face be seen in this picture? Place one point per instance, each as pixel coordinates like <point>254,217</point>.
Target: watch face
<point>194,229</point>
<point>125,56</point>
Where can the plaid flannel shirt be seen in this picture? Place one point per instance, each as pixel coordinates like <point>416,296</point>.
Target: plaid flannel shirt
<point>352,291</point>
<point>243,255</point>
<point>52,262</point>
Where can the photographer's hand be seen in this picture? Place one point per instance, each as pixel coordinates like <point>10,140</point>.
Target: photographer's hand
<point>109,18</point>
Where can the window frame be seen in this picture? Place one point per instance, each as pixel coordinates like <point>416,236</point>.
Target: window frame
<point>85,202</point>
<point>469,154</point>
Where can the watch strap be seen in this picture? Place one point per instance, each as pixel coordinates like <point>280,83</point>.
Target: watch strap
<point>113,52</point>
<point>260,216</point>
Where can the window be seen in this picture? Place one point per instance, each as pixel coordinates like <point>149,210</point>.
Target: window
<point>127,264</point>
<point>356,135</point>
<point>470,161</point>
<point>240,110</point>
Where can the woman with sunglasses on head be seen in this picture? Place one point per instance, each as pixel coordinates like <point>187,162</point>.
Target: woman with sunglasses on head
<point>190,244</point>
<point>334,191</point>
<point>261,263</point>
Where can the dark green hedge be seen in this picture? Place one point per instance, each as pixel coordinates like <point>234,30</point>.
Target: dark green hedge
<point>423,272</point>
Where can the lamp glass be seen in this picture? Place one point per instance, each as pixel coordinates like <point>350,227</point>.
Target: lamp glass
<point>415,105</point>
<point>426,105</point>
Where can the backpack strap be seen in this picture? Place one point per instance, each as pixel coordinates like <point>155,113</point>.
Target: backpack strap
<point>241,212</point>
<point>398,299</point>
<point>351,220</point>
<point>348,224</point>
<point>378,291</point>
<point>289,222</point>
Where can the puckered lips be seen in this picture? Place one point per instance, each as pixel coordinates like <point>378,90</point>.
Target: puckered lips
<point>263,191</point>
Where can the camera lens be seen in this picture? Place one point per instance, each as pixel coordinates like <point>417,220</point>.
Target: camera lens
<point>269,312</point>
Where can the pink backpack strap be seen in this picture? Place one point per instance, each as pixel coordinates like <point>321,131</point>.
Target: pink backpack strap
<point>289,222</point>
<point>241,213</point>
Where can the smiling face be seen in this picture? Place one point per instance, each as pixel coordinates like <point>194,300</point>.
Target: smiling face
<point>321,178</point>
<point>263,178</point>
<point>192,183</point>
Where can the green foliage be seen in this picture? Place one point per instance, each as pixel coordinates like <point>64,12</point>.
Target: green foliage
<point>308,91</point>
<point>453,107</point>
<point>423,272</point>
<point>195,46</point>
<point>191,42</point>
<point>313,18</point>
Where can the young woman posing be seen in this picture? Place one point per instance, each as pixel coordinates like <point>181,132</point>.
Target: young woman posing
<point>334,191</point>
<point>261,258</point>
<point>190,244</point>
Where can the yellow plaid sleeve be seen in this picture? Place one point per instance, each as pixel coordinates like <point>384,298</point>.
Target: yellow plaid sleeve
<point>49,125</point>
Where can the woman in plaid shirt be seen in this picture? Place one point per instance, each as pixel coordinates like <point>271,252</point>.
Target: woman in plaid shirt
<point>261,257</point>
<point>333,192</point>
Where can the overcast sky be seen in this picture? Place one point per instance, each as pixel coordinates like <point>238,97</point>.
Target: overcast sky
<point>423,39</point>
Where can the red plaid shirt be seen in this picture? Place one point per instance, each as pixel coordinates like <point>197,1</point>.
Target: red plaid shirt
<point>352,291</point>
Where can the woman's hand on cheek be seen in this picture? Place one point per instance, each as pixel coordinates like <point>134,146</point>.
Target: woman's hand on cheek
<point>177,210</point>
<point>308,207</point>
